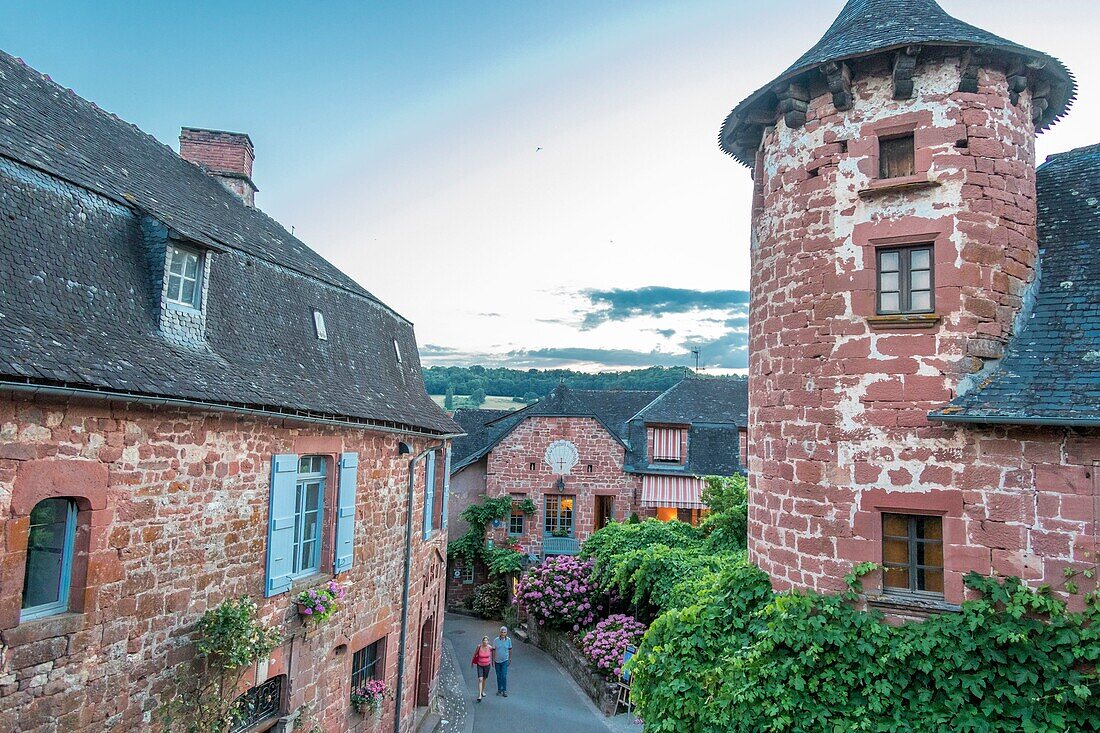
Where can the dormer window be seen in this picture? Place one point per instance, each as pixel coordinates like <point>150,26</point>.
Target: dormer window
<point>666,445</point>
<point>397,350</point>
<point>184,277</point>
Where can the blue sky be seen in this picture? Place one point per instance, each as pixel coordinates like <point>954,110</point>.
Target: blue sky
<point>401,140</point>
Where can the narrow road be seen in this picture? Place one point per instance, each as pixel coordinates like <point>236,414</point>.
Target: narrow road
<point>542,698</point>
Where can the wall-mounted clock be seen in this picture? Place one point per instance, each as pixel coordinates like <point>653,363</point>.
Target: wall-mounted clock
<point>561,456</point>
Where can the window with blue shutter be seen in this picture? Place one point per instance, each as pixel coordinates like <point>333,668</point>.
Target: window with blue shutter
<point>281,524</point>
<point>429,492</point>
<point>446,486</point>
<point>345,513</point>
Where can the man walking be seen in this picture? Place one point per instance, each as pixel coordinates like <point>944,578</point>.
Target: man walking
<point>502,654</point>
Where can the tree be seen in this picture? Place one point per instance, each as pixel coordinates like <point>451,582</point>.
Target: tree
<point>477,398</point>
<point>449,398</point>
<point>530,396</point>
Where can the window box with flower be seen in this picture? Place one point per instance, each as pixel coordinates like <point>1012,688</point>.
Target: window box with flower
<point>367,697</point>
<point>317,604</point>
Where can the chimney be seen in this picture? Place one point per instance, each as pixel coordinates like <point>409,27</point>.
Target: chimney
<point>226,156</point>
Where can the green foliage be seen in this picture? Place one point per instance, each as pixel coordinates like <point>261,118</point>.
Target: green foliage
<point>230,640</point>
<point>744,659</point>
<point>476,398</point>
<point>449,398</point>
<point>470,547</point>
<point>489,599</point>
<point>726,494</point>
<point>532,384</point>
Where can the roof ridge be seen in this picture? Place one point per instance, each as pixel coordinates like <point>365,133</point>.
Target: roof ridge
<point>1072,151</point>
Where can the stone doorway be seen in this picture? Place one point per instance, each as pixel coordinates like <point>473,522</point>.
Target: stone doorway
<point>427,656</point>
<point>605,511</point>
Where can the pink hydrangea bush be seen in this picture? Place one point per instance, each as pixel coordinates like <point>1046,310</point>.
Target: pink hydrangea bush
<point>605,644</point>
<point>560,593</point>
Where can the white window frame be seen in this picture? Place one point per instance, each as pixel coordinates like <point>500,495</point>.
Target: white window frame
<point>181,277</point>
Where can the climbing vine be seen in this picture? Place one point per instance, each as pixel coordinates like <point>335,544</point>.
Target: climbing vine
<point>470,547</point>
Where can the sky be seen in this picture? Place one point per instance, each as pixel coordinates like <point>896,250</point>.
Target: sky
<point>532,184</point>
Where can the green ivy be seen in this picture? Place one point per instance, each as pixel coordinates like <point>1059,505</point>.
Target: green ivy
<point>741,658</point>
<point>470,547</point>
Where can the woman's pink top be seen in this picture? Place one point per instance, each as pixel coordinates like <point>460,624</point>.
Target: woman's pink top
<point>483,657</point>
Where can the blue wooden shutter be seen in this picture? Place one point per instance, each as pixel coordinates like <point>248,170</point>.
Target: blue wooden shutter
<point>429,492</point>
<point>345,512</point>
<point>280,528</point>
<point>446,486</point>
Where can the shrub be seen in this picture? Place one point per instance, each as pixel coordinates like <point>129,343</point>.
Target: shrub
<point>605,644</point>
<point>560,593</point>
<point>489,599</point>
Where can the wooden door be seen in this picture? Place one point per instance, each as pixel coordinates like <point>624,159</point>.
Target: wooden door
<point>427,662</point>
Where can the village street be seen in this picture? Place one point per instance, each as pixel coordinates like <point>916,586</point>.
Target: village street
<point>542,698</point>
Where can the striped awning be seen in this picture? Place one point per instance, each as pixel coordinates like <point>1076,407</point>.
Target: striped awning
<point>682,492</point>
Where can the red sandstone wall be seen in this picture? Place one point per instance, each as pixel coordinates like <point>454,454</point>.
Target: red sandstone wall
<point>508,473</point>
<point>179,506</point>
<point>838,428</point>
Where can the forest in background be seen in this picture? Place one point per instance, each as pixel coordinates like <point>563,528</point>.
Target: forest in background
<point>531,384</point>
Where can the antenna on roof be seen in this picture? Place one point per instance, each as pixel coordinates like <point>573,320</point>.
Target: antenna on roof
<point>696,352</point>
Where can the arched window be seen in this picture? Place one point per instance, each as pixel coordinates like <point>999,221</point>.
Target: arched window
<point>49,558</point>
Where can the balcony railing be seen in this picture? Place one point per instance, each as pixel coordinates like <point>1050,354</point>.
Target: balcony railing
<point>259,704</point>
<point>552,545</point>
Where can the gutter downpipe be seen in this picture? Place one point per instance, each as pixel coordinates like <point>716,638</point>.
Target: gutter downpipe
<point>399,698</point>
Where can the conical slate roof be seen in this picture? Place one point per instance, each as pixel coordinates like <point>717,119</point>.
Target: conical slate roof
<point>868,27</point>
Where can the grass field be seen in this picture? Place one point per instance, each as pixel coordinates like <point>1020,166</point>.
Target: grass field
<point>492,402</point>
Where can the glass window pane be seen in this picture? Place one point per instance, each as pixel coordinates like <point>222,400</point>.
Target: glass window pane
<point>191,266</point>
<point>313,496</point>
<point>930,580</point>
<point>895,525</point>
<point>888,262</point>
<point>175,263</point>
<point>306,558</point>
<point>930,553</point>
<point>920,300</point>
<point>309,526</point>
<point>188,292</point>
<point>895,551</point>
<point>920,259</point>
<point>175,285</point>
<point>47,547</point>
<point>920,280</point>
<point>930,528</point>
<point>888,281</point>
<point>889,302</point>
<point>895,578</point>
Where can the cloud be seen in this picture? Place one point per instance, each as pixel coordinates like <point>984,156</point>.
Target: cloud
<point>489,315</point>
<point>552,358</point>
<point>619,304</point>
<point>666,332</point>
<point>729,351</point>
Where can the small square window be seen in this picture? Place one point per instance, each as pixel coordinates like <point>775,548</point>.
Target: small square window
<point>895,156</point>
<point>184,277</point>
<point>468,575</point>
<point>368,664</point>
<point>905,280</point>
<point>912,554</point>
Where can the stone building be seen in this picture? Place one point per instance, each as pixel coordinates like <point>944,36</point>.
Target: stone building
<point>194,407</point>
<point>924,385</point>
<point>585,457</point>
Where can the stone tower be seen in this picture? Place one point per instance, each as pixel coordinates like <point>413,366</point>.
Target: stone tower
<point>893,250</point>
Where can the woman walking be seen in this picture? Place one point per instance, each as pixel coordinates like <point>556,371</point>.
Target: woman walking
<point>483,659</point>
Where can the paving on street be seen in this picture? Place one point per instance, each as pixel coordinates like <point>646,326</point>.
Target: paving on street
<point>542,697</point>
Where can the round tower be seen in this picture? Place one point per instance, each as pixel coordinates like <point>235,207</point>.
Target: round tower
<point>893,245</point>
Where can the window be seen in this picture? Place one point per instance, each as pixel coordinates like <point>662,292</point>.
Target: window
<point>588,468</point>
<point>516,519</point>
<point>666,444</point>
<point>895,156</point>
<point>309,507</point>
<point>319,326</point>
<point>262,702</point>
<point>905,280</point>
<point>559,516</point>
<point>397,350</point>
<point>184,276</point>
<point>531,466</point>
<point>912,554</point>
<point>368,664</point>
<point>468,575</point>
<point>50,544</point>
<point>432,509</point>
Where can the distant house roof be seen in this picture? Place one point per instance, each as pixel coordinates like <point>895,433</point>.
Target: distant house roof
<point>701,400</point>
<point>77,310</point>
<point>1050,373</point>
<point>715,409</point>
<point>869,27</point>
<point>480,434</point>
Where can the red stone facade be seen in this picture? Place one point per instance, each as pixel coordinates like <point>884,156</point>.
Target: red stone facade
<point>172,520</point>
<point>839,397</point>
<point>599,472</point>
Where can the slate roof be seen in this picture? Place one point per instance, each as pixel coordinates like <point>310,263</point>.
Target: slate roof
<point>1050,373</point>
<point>77,309</point>
<point>611,407</point>
<point>867,27</point>
<point>480,435</point>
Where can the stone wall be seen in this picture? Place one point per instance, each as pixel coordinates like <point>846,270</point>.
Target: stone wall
<point>839,396</point>
<point>509,472</point>
<point>173,515</point>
